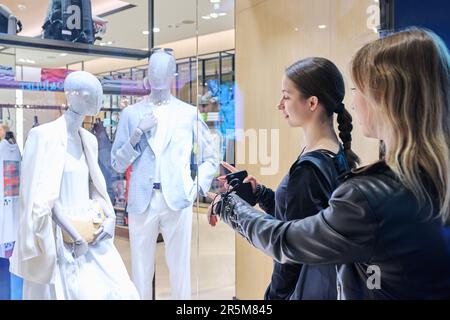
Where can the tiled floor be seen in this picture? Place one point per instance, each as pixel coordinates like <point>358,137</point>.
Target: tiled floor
<point>212,263</point>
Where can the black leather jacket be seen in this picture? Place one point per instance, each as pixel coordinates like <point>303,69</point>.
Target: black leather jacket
<point>385,245</point>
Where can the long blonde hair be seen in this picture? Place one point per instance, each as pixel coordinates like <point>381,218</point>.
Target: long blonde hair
<point>405,78</point>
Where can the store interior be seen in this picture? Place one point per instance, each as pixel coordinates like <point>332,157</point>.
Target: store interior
<point>204,53</point>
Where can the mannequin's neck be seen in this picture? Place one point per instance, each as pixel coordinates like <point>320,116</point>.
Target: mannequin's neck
<point>160,96</point>
<point>74,121</point>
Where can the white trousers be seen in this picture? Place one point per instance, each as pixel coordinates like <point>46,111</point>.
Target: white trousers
<point>176,229</point>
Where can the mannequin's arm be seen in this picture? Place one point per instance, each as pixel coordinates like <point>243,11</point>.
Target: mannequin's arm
<point>125,149</point>
<point>80,245</point>
<point>12,20</point>
<point>4,11</point>
<point>207,158</point>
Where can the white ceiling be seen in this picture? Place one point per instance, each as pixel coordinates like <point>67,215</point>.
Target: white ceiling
<point>125,28</point>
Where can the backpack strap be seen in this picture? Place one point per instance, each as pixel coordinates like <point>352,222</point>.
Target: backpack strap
<point>324,164</point>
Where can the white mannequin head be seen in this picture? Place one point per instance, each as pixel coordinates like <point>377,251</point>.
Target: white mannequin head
<point>161,70</point>
<point>84,93</point>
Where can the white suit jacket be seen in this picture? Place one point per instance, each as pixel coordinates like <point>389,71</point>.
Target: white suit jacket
<point>34,255</point>
<point>179,189</point>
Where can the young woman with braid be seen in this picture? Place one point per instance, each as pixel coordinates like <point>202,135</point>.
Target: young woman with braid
<point>313,90</point>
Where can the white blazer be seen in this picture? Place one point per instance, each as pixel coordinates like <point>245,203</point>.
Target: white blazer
<point>34,255</point>
<point>184,127</point>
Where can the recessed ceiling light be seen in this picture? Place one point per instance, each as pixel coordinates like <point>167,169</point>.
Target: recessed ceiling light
<point>156,29</point>
<point>221,14</point>
<point>145,32</point>
<point>27,61</point>
<point>63,54</point>
<point>322,26</point>
<point>296,29</point>
<point>214,15</point>
<point>102,44</point>
<point>109,43</point>
<point>21,7</point>
<point>206,17</point>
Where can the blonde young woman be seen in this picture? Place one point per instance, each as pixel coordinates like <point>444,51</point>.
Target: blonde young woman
<point>386,223</point>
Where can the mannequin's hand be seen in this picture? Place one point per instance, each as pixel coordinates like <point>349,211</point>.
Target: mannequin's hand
<point>80,247</point>
<point>249,179</point>
<point>147,122</point>
<point>106,231</point>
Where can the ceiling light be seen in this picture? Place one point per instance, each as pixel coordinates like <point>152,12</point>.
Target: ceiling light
<point>21,7</point>
<point>27,61</point>
<point>109,43</point>
<point>322,26</point>
<point>221,14</point>
<point>214,15</point>
<point>145,32</point>
<point>296,29</point>
<point>156,29</point>
<point>102,44</point>
<point>206,17</point>
<point>63,54</point>
<point>214,1</point>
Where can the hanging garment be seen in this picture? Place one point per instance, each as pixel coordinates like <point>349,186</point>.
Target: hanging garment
<point>104,158</point>
<point>69,20</point>
<point>9,196</point>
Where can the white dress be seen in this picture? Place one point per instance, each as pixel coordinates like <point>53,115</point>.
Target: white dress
<point>100,274</point>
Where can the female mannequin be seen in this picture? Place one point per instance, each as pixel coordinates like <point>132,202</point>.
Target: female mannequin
<point>60,177</point>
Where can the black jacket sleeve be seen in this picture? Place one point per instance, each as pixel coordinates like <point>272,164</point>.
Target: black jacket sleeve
<point>345,232</point>
<point>266,199</point>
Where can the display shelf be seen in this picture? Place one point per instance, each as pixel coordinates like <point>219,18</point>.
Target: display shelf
<point>47,86</point>
<point>71,47</point>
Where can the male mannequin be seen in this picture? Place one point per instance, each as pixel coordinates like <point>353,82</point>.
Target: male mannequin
<point>60,177</point>
<point>156,137</point>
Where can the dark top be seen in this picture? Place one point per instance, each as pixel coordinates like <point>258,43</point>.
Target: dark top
<point>104,158</point>
<point>386,245</point>
<point>302,193</point>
